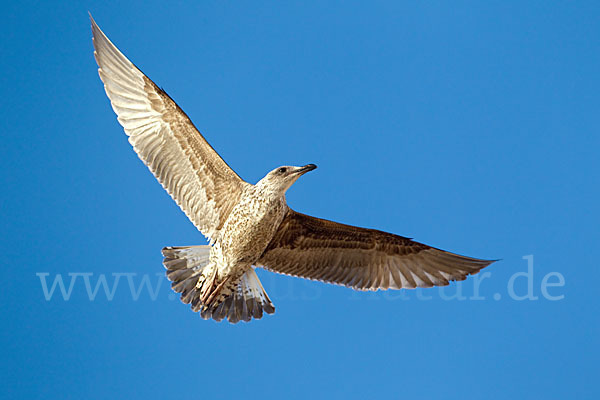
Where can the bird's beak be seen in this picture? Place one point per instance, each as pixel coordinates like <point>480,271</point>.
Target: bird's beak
<point>305,169</point>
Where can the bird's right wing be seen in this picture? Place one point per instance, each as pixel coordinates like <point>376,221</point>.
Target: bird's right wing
<point>364,259</point>
<point>165,139</point>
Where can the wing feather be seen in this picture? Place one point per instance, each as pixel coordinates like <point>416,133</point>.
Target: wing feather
<point>165,139</point>
<point>364,259</point>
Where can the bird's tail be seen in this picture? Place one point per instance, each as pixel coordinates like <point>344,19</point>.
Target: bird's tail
<point>184,267</point>
<point>247,300</point>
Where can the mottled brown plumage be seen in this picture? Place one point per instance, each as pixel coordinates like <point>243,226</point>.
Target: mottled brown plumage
<point>248,224</point>
<point>364,259</point>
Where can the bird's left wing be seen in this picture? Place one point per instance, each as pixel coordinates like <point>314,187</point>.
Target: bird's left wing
<point>364,259</point>
<point>191,171</point>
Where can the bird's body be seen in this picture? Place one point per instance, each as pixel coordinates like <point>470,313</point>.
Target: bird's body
<point>244,236</point>
<point>251,225</point>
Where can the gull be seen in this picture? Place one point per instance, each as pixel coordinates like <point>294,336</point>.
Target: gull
<point>248,225</point>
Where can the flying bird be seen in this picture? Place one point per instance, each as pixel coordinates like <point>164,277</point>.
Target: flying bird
<point>251,225</point>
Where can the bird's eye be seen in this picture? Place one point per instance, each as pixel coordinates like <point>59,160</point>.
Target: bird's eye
<point>282,170</point>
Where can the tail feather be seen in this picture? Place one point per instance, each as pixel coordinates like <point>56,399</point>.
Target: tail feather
<point>248,298</point>
<point>184,267</point>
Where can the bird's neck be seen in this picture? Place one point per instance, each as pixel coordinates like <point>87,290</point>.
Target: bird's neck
<point>269,193</point>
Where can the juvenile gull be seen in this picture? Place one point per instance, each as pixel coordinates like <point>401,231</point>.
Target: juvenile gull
<point>251,225</point>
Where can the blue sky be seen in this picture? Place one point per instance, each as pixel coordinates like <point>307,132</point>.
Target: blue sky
<point>470,126</point>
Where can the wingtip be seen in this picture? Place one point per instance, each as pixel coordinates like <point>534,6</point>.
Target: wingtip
<point>95,27</point>
<point>487,263</point>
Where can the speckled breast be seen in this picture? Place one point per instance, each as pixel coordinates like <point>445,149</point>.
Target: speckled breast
<point>250,227</point>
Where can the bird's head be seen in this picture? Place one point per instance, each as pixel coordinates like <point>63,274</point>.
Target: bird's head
<point>278,181</point>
